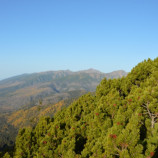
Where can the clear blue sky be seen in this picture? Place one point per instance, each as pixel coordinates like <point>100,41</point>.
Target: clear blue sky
<point>108,35</point>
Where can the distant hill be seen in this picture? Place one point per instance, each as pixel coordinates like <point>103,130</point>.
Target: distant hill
<point>52,86</point>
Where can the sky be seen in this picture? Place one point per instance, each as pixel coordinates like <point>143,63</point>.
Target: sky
<point>107,35</point>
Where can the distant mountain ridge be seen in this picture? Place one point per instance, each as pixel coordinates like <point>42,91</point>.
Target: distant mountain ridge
<point>61,73</point>
<point>26,89</point>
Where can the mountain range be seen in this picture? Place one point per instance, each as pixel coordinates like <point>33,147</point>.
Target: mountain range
<point>50,87</point>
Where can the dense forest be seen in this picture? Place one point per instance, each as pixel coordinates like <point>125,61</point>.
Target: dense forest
<point>10,123</point>
<point>119,120</point>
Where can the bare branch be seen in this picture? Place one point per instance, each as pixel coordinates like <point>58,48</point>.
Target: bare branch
<point>148,111</point>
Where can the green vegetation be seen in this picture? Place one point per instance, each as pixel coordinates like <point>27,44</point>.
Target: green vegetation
<point>120,120</point>
<point>8,134</point>
<point>11,122</point>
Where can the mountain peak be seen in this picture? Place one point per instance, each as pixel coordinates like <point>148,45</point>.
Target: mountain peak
<point>91,70</point>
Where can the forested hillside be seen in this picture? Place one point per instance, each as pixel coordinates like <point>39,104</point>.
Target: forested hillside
<point>10,123</point>
<point>119,120</point>
<point>7,134</point>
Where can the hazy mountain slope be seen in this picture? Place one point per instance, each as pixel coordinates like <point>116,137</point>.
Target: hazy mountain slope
<point>30,116</point>
<point>27,89</point>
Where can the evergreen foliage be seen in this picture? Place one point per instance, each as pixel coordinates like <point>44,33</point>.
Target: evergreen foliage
<point>120,120</point>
